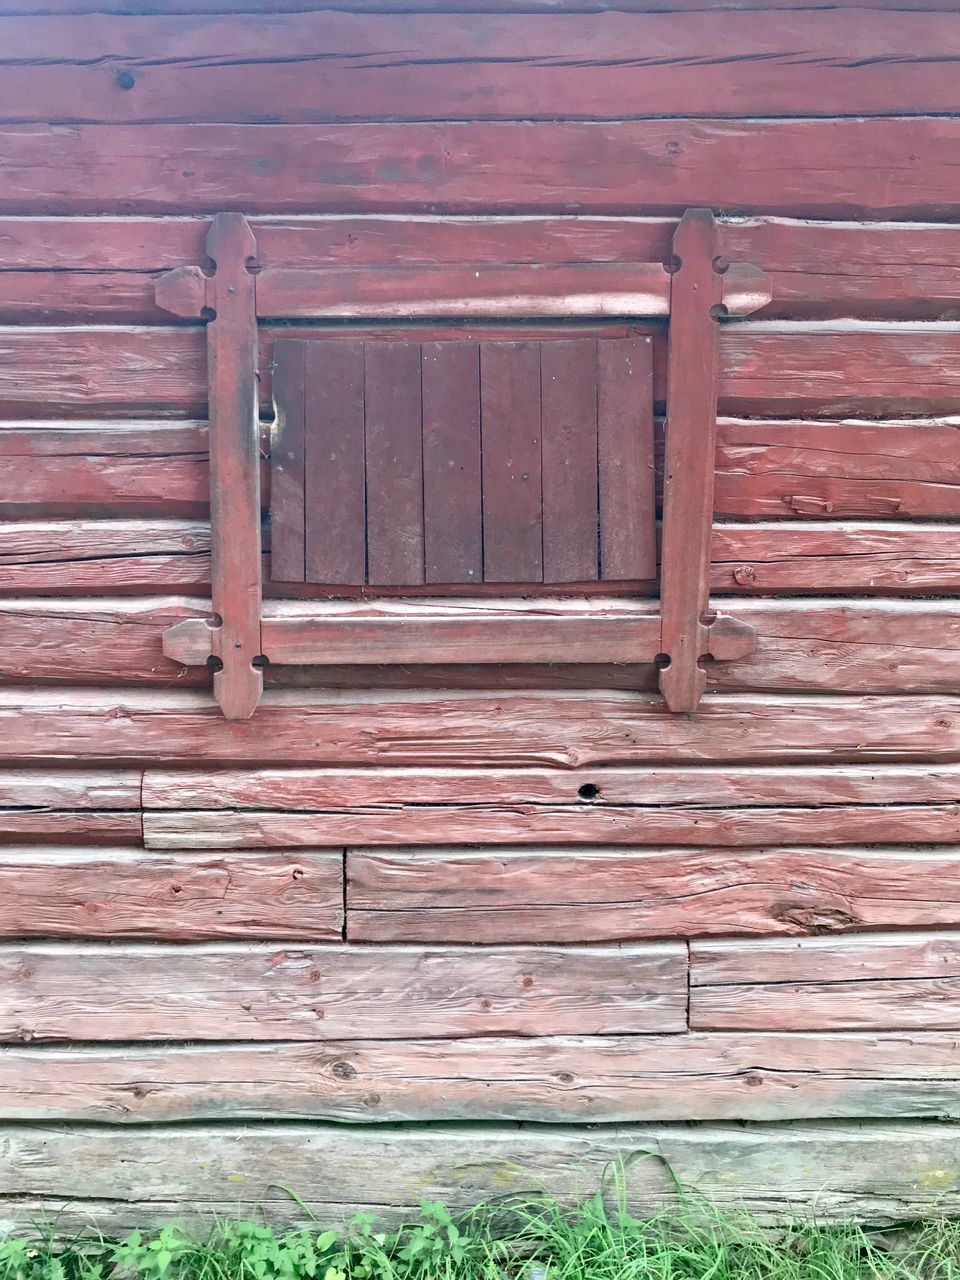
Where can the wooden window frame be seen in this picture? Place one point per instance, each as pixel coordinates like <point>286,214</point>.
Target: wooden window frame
<point>693,291</point>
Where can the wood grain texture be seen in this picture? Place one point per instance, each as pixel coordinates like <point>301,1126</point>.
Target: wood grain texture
<point>884,981</point>
<point>556,895</point>
<point>839,167</point>
<point>584,1079</point>
<point>219,992</point>
<point>568,451</point>
<point>561,730</point>
<point>126,893</point>
<point>625,459</point>
<point>453,529</point>
<point>69,268</point>
<point>383,65</point>
<point>878,1172</point>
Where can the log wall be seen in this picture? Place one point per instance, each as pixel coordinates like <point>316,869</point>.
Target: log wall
<point>460,931</point>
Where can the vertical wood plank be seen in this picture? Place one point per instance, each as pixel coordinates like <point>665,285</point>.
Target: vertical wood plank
<point>510,462</point>
<point>452,519</point>
<point>689,468</point>
<point>627,481</point>
<point>568,416</point>
<point>394,461</point>
<point>333,469</point>
<point>286,463</point>
<point>234,466</point>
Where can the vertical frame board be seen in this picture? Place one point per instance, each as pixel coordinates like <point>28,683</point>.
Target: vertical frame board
<point>452,519</point>
<point>692,379</point>
<point>568,424</point>
<point>334,467</point>
<point>626,475</point>
<point>235,465</point>
<point>286,463</point>
<point>394,463</point>
<point>510,462</point>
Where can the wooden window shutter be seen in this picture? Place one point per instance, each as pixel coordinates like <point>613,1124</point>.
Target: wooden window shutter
<point>407,464</point>
<point>400,463</point>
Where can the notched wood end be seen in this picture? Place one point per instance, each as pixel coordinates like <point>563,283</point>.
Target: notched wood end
<point>182,292</point>
<point>745,289</point>
<point>729,638</point>
<point>190,642</point>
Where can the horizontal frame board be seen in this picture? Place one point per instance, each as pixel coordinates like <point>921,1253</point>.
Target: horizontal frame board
<point>219,992</point>
<point>622,1079</point>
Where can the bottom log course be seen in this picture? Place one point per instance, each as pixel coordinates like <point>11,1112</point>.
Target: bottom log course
<point>142,1176</point>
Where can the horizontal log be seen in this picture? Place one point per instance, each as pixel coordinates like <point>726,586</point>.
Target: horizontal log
<point>81,806</point>
<point>306,790</point>
<point>769,469</point>
<point>839,167</point>
<point>767,367</point>
<point>384,66</point>
<point>859,983</point>
<point>559,729</point>
<point>889,1171</point>
<point>222,992</point>
<point>597,1079</point>
<point>553,895</point>
<point>117,893</point>
<point>66,269</point>
<point>110,557</point>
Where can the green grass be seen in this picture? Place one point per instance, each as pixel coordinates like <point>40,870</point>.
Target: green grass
<point>533,1240</point>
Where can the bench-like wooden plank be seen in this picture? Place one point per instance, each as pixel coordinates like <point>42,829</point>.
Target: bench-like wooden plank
<point>584,1079</point>
<point>219,992</point>
<point>862,983</point>
<point>881,1172</point>
<point>556,895</point>
<point>115,893</point>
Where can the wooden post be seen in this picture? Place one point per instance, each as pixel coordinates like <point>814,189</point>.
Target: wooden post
<point>234,466</point>
<point>692,376</point>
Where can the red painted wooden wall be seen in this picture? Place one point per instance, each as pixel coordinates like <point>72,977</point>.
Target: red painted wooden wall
<point>525,901</point>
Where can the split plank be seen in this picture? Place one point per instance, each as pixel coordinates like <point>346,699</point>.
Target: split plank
<point>221,992</point>
<point>126,893</point>
<point>860,983</point>
<point>839,167</point>
<point>620,1079</point>
<point>558,729</point>
<point>553,895</point>
<point>79,805</point>
<point>384,66</point>
<point>891,1171</point>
